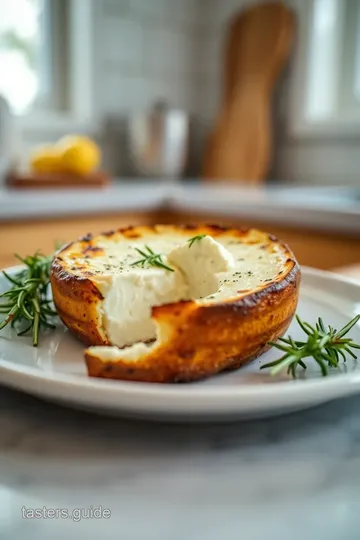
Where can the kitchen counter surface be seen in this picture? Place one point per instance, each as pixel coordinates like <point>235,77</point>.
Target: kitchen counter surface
<point>296,476</point>
<point>318,208</point>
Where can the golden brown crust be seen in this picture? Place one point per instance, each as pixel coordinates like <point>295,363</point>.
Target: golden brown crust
<point>201,339</point>
<point>77,302</point>
<point>204,340</point>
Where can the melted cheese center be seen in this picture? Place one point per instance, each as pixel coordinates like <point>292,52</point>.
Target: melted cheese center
<point>206,271</point>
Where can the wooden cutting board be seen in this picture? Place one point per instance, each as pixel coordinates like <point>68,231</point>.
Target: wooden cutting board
<point>30,180</point>
<point>258,43</point>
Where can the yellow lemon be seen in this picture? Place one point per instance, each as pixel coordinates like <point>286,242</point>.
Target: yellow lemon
<point>45,159</point>
<point>79,155</point>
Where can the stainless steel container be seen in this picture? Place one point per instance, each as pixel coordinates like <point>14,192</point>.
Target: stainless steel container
<point>158,142</point>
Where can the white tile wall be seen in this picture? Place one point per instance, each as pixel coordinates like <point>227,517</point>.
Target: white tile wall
<point>115,8</point>
<point>123,93</point>
<point>146,49</point>
<point>123,44</point>
<point>150,11</point>
<point>167,51</point>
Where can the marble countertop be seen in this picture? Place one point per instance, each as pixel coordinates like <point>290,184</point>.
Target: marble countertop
<point>296,476</point>
<point>319,208</point>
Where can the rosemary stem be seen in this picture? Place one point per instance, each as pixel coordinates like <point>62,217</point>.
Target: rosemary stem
<point>26,299</point>
<point>9,317</point>
<point>325,345</point>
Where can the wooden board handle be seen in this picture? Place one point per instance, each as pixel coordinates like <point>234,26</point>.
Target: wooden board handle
<point>258,43</point>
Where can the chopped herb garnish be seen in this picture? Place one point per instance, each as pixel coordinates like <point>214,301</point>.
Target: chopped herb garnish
<point>196,239</point>
<point>151,259</point>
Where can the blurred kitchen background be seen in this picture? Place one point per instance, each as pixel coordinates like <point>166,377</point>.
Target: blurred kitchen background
<point>236,111</point>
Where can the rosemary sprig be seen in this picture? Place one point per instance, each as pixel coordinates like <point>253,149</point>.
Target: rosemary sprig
<point>151,259</point>
<point>27,299</point>
<point>326,345</point>
<point>196,239</point>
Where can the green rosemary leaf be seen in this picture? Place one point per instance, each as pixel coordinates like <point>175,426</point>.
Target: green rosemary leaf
<point>275,362</point>
<point>321,324</point>
<point>149,250</point>
<point>284,340</point>
<point>21,297</point>
<point>25,331</point>
<point>302,325</point>
<point>11,279</point>
<point>342,354</point>
<point>325,346</point>
<point>45,323</point>
<point>196,239</point>
<point>27,299</point>
<point>12,292</point>
<point>278,346</point>
<point>151,259</point>
<point>5,307</point>
<point>292,359</point>
<point>322,364</point>
<point>21,259</point>
<point>141,252</point>
<point>331,356</point>
<point>348,327</point>
<point>49,312</point>
<point>26,314</point>
<point>35,329</point>
<point>349,351</point>
<point>292,370</point>
<point>323,341</point>
<point>302,364</point>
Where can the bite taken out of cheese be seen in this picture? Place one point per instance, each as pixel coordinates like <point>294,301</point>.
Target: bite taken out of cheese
<point>129,297</point>
<point>130,294</point>
<point>197,270</point>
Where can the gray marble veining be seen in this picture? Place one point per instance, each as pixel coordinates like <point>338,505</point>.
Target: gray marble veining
<point>295,477</point>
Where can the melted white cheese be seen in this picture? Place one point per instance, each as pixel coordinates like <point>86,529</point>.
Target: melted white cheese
<point>207,270</point>
<point>128,301</point>
<point>202,262</point>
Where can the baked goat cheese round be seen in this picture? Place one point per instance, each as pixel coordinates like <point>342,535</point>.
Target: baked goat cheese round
<point>167,303</point>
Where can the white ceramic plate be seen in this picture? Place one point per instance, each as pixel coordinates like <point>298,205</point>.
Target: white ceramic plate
<point>56,371</point>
